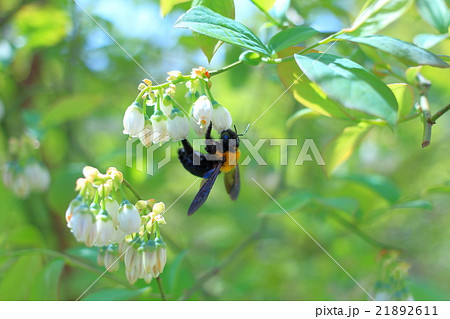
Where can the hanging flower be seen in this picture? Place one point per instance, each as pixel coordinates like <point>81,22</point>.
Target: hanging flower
<point>221,117</point>
<point>178,125</point>
<point>166,104</point>
<point>202,111</point>
<point>133,120</point>
<point>146,135</point>
<point>105,229</point>
<point>83,225</point>
<point>128,218</point>
<point>111,256</point>
<point>159,123</point>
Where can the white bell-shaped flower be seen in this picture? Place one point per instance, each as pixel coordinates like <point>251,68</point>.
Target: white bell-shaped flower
<point>149,255</point>
<point>159,123</point>
<point>112,207</point>
<point>111,258</point>
<point>221,118</point>
<point>83,225</point>
<point>202,111</point>
<point>105,229</point>
<point>20,185</point>
<point>161,255</point>
<point>146,135</point>
<point>178,125</point>
<point>74,205</point>
<point>166,104</point>
<point>133,120</point>
<point>128,218</point>
<point>38,176</point>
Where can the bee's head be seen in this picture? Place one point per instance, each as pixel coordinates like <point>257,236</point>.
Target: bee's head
<point>228,135</point>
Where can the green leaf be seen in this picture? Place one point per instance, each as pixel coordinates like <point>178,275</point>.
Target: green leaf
<point>225,8</point>
<point>436,13</point>
<point>340,149</point>
<point>418,203</point>
<point>167,5</point>
<point>345,204</point>
<point>306,92</point>
<point>214,25</point>
<point>301,114</point>
<point>349,84</point>
<point>71,108</point>
<point>174,270</point>
<point>266,5</point>
<point>290,37</point>
<point>46,286</point>
<point>377,15</point>
<point>290,203</point>
<point>404,95</point>
<point>444,188</point>
<point>377,183</point>
<point>427,40</point>
<point>115,294</point>
<point>404,51</point>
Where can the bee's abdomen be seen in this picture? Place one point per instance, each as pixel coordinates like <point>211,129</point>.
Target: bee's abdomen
<point>196,163</point>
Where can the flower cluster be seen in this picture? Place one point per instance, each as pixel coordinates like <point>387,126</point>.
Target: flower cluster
<point>153,118</point>
<point>124,230</point>
<point>24,173</point>
<point>391,283</point>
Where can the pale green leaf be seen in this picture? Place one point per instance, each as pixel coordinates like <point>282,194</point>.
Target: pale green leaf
<point>167,5</point>
<point>378,15</point>
<point>290,37</point>
<point>404,51</point>
<point>207,22</point>
<point>350,85</point>
<point>427,40</point>
<point>404,94</point>
<point>436,13</point>
<point>342,147</point>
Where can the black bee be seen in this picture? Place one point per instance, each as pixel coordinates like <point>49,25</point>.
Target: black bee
<point>222,157</point>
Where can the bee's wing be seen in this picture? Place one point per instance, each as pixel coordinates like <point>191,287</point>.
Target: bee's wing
<point>204,191</point>
<point>233,182</point>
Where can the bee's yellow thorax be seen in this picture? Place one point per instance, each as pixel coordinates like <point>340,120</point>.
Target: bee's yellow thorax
<point>231,159</point>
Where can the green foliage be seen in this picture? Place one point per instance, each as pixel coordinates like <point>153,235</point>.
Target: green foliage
<point>359,94</point>
<point>379,205</point>
<point>205,21</point>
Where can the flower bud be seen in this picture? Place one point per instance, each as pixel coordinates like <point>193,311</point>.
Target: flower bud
<point>90,173</point>
<point>128,218</point>
<point>159,123</point>
<point>133,120</point>
<point>132,276</point>
<point>221,118</point>
<point>173,75</point>
<point>159,208</point>
<point>178,125</point>
<point>202,111</point>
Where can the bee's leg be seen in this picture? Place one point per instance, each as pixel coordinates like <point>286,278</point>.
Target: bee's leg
<point>187,146</point>
<point>210,143</point>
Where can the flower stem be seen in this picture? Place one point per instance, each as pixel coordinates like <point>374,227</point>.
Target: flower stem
<point>225,68</point>
<point>128,185</point>
<point>161,289</point>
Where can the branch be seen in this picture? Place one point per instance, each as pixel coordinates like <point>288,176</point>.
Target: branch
<point>439,114</point>
<point>424,86</point>
<point>215,270</point>
<point>161,289</point>
<point>278,24</point>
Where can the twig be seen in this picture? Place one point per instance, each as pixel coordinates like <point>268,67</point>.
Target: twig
<point>215,270</point>
<point>225,68</point>
<point>161,289</point>
<point>439,114</point>
<point>424,86</point>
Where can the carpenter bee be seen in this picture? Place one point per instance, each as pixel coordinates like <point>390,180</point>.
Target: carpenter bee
<point>222,156</point>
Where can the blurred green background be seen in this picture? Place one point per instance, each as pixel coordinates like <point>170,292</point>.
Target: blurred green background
<point>64,82</point>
